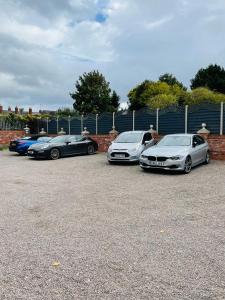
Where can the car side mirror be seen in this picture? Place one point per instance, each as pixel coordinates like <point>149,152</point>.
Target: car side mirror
<point>68,142</point>
<point>194,144</point>
<point>147,142</point>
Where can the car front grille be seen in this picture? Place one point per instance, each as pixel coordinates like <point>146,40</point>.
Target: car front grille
<point>157,158</point>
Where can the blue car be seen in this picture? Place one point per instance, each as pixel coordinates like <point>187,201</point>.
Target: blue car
<point>21,145</point>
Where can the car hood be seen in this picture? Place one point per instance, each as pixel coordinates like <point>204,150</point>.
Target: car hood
<point>40,145</point>
<point>166,151</point>
<point>124,146</point>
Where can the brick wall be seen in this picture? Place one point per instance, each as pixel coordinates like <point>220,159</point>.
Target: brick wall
<point>217,146</point>
<point>103,141</point>
<point>7,135</point>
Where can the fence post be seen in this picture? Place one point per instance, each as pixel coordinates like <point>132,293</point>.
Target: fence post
<point>186,119</point>
<point>113,125</point>
<point>69,123</point>
<point>57,125</point>
<point>47,124</point>
<point>221,118</point>
<point>82,123</point>
<point>157,120</point>
<point>133,120</point>
<point>96,124</point>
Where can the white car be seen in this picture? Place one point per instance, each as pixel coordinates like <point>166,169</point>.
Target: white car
<point>178,152</point>
<point>129,145</point>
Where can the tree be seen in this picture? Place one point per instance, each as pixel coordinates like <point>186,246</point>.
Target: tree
<point>115,101</point>
<point>92,94</point>
<point>212,77</point>
<point>171,80</point>
<point>155,95</point>
<point>135,96</point>
<point>201,95</point>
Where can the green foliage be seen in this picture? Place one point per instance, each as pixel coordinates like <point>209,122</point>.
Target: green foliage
<point>115,102</point>
<point>201,95</point>
<point>170,79</point>
<point>66,112</point>
<point>92,94</point>
<point>212,77</point>
<point>155,95</point>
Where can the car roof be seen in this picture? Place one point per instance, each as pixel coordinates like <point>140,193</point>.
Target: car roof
<point>135,131</point>
<point>182,134</point>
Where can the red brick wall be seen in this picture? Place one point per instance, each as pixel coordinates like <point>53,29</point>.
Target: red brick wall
<point>103,141</point>
<point>217,146</point>
<point>7,135</point>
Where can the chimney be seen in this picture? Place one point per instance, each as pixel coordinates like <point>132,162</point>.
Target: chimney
<point>1,109</point>
<point>30,111</point>
<point>16,110</point>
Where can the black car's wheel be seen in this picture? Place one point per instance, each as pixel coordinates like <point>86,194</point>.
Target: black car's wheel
<point>90,149</point>
<point>187,165</point>
<point>54,153</point>
<point>207,158</point>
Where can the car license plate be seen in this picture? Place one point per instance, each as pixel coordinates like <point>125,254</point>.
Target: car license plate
<point>119,155</point>
<point>156,163</point>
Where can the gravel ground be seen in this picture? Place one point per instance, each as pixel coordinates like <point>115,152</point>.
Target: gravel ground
<point>78,228</point>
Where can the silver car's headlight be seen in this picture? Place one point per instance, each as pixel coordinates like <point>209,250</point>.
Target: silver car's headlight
<point>144,156</point>
<point>177,157</point>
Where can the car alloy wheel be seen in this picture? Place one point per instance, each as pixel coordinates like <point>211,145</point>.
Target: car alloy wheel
<point>54,154</point>
<point>207,158</point>
<point>187,165</point>
<point>91,149</point>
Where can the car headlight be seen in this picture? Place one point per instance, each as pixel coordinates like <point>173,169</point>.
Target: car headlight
<point>144,156</point>
<point>44,146</point>
<point>177,157</point>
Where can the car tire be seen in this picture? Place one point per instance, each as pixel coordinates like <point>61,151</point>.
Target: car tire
<point>54,154</point>
<point>207,158</point>
<point>90,149</point>
<point>187,165</point>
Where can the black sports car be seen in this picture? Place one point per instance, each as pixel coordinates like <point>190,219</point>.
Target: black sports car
<point>65,145</point>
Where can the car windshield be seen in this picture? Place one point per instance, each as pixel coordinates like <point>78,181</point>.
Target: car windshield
<point>129,137</point>
<point>175,141</point>
<point>59,139</point>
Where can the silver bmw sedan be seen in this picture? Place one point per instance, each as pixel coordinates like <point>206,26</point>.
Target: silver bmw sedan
<point>129,145</point>
<point>178,152</point>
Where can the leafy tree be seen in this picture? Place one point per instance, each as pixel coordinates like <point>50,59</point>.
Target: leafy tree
<point>212,77</point>
<point>135,96</point>
<point>201,95</point>
<point>115,101</point>
<point>171,80</point>
<point>66,112</point>
<point>92,94</point>
<point>156,95</point>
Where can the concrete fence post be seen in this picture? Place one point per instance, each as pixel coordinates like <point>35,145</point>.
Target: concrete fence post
<point>157,120</point>
<point>186,119</point>
<point>57,125</point>
<point>47,124</point>
<point>133,120</point>
<point>113,124</point>
<point>221,118</point>
<point>69,119</point>
<point>96,124</point>
<point>82,123</point>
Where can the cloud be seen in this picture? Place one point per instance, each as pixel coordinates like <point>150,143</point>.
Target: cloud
<point>46,45</point>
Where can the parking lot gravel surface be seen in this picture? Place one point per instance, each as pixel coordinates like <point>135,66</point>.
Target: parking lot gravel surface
<point>78,228</point>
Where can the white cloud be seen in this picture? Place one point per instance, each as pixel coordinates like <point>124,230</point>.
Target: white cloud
<point>46,45</point>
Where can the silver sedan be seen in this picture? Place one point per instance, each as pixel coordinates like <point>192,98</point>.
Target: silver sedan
<point>129,145</point>
<point>178,152</point>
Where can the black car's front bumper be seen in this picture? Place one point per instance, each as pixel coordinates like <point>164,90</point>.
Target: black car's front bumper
<point>38,154</point>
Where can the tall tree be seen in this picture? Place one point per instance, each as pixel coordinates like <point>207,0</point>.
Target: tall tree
<point>155,95</point>
<point>115,101</point>
<point>92,94</point>
<point>171,80</point>
<point>212,77</point>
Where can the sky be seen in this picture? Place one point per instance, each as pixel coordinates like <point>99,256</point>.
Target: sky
<point>46,45</point>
